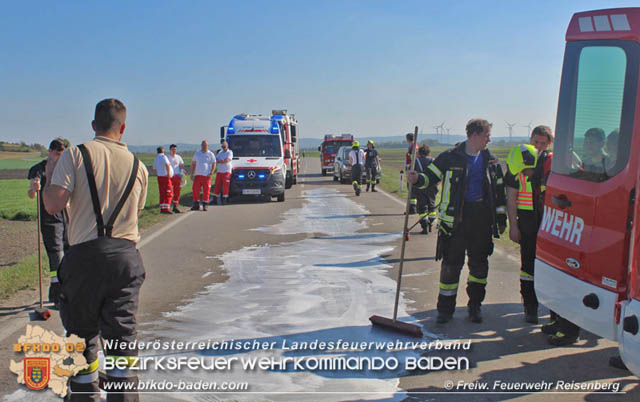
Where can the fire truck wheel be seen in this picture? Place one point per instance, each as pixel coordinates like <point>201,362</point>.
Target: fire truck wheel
<point>335,178</point>
<point>281,197</point>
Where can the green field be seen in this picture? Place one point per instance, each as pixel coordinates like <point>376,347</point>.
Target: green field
<point>18,160</point>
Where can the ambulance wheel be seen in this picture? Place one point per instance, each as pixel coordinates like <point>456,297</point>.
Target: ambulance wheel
<point>281,197</point>
<point>295,179</point>
<point>324,172</point>
<point>288,181</point>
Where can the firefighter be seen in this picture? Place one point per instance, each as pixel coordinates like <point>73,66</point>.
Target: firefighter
<point>102,272</point>
<point>426,197</point>
<point>371,165</point>
<point>524,219</point>
<point>413,202</point>
<point>202,166</point>
<point>53,227</point>
<point>472,210</point>
<point>223,176</point>
<point>164,173</point>
<point>177,164</point>
<point>356,159</point>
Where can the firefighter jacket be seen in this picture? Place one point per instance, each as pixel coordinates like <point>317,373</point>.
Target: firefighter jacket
<point>450,167</point>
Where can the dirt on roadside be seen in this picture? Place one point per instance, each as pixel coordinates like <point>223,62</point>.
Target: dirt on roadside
<point>18,241</point>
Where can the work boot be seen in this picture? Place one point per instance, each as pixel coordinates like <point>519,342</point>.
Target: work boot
<point>443,318</point>
<point>368,186</point>
<point>204,206</point>
<point>475,314</point>
<point>196,206</point>
<point>412,209</point>
<point>562,339</point>
<point>373,188</point>
<point>166,212</point>
<point>531,314</point>
<point>175,209</point>
<point>550,328</point>
<point>425,230</point>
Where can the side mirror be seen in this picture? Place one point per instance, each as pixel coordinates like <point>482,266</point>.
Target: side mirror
<point>287,154</point>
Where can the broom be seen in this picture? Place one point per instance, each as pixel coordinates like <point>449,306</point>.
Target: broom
<point>394,324</point>
<point>42,312</point>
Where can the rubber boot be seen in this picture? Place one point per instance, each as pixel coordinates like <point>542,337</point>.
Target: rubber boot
<point>425,229</point>
<point>373,188</point>
<point>196,206</point>
<point>204,206</point>
<point>368,187</point>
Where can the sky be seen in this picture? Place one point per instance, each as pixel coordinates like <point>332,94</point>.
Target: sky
<point>370,68</point>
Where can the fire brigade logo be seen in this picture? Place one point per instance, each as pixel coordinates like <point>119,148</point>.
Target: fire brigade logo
<point>251,174</point>
<point>36,372</point>
<point>252,160</point>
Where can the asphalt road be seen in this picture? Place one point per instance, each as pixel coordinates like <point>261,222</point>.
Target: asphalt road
<point>203,277</point>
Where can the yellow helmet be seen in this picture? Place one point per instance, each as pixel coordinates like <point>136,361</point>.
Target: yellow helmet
<point>523,156</point>
<point>355,144</point>
<point>370,142</point>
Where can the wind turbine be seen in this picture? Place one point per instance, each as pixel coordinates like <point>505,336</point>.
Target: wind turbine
<point>510,127</point>
<point>441,127</point>
<point>529,127</point>
<point>448,131</point>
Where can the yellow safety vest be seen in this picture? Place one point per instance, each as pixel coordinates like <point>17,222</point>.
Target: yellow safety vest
<point>524,200</point>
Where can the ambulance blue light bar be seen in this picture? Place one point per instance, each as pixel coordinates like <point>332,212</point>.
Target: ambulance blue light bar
<point>274,127</point>
<point>231,129</point>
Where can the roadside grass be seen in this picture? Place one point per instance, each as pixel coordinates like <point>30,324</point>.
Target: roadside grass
<point>18,160</point>
<point>24,275</point>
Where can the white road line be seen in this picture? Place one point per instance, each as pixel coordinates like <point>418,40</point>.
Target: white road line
<point>160,231</point>
<point>392,197</point>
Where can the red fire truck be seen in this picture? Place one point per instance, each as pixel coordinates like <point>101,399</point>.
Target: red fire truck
<point>289,132</point>
<point>587,255</point>
<point>329,148</point>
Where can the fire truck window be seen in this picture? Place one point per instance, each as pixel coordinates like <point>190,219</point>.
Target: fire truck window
<point>592,155</point>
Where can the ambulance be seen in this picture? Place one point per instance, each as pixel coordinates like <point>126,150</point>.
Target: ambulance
<point>288,126</point>
<point>259,167</point>
<point>586,265</point>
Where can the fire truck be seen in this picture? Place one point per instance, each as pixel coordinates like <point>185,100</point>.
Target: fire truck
<point>259,157</point>
<point>328,149</point>
<point>586,265</point>
<point>288,126</point>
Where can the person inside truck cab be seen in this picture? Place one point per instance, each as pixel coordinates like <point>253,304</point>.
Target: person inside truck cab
<point>612,149</point>
<point>594,156</point>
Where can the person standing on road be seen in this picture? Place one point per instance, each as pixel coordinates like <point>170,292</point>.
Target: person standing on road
<point>101,274</point>
<point>371,165</point>
<point>202,166</point>
<point>223,176</point>
<point>53,227</point>
<point>413,202</point>
<point>177,164</point>
<point>426,197</point>
<point>472,210</point>
<point>356,159</point>
<point>164,173</point>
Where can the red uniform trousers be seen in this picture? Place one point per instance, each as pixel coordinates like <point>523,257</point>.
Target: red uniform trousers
<point>175,182</point>
<point>222,180</point>
<point>204,183</point>
<point>166,191</point>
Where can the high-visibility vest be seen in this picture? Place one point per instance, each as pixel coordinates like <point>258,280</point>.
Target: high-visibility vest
<point>524,200</point>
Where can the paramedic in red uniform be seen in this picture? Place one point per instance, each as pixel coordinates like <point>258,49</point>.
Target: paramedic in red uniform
<point>164,174</point>
<point>223,176</point>
<point>102,272</point>
<point>202,167</point>
<point>177,164</point>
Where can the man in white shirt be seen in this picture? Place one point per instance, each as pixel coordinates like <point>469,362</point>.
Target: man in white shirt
<point>356,159</point>
<point>164,172</point>
<point>202,167</point>
<point>177,164</point>
<point>223,177</point>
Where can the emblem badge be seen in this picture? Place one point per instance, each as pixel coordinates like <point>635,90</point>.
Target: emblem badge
<point>36,372</point>
<point>573,263</point>
<point>251,174</point>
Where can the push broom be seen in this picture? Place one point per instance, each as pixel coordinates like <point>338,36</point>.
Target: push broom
<point>394,324</point>
<point>41,311</point>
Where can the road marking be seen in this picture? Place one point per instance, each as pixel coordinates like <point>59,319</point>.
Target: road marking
<point>160,231</point>
<point>395,199</point>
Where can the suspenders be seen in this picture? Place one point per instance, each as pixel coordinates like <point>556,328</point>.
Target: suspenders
<point>106,230</point>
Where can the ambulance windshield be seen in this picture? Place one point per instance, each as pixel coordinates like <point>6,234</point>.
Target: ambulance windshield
<point>255,145</point>
<point>595,117</point>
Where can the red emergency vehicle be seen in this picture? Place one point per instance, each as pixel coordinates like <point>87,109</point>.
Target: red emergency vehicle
<point>587,253</point>
<point>328,150</point>
<point>289,132</point>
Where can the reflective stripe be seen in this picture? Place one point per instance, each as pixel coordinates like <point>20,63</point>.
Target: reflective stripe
<point>423,215</point>
<point>426,181</point>
<point>432,213</point>
<point>501,210</point>
<point>434,169</point>
<point>86,378</point>
<point>445,199</point>
<point>477,280</point>
<point>453,292</point>
<point>414,201</point>
<point>54,280</point>
<point>525,276</point>
<point>524,199</point>
<point>53,274</point>
<point>93,366</point>
<point>499,181</point>
<point>448,286</point>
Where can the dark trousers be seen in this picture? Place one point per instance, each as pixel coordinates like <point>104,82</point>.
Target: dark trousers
<point>371,172</point>
<point>473,238</point>
<point>100,282</point>
<point>356,174</point>
<point>528,225</point>
<point>54,239</point>
<point>426,203</point>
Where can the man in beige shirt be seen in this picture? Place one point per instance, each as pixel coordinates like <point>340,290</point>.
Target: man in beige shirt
<point>101,274</point>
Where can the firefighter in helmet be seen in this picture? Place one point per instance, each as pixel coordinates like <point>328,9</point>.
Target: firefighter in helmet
<point>426,197</point>
<point>356,159</point>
